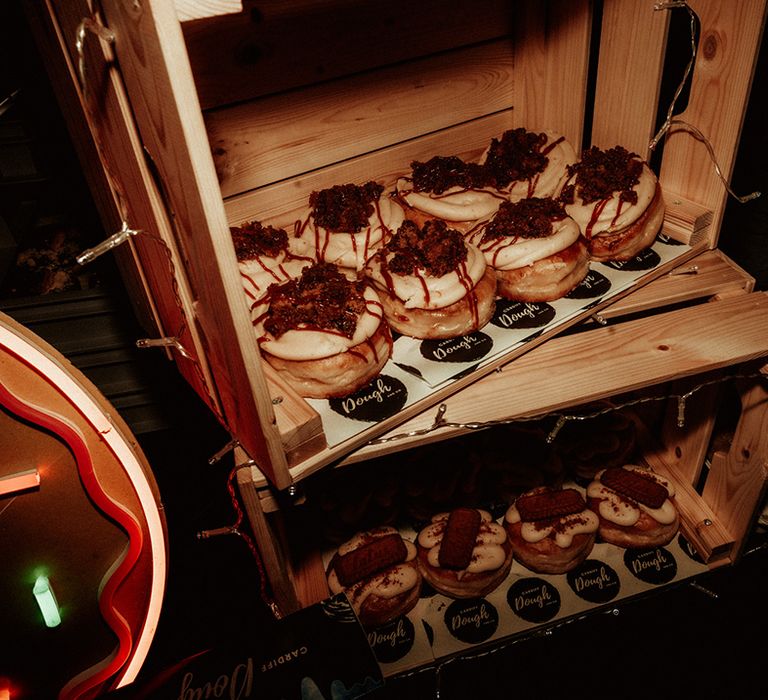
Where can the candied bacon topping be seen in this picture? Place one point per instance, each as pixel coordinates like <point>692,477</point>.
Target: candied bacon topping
<point>434,248</point>
<point>345,208</point>
<point>601,173</point>
<point>321,299</point>
<point>528,218</point>
<point>440,173</point>
<point>516,156</point>
<point>253,239</point>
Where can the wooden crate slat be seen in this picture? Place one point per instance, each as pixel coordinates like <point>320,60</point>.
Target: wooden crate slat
<point>275,45</point>
<point>156,73</point>
<point>632,43</point>
<point>720,86</point>
<point>267,140</point>
<point>551,66</point>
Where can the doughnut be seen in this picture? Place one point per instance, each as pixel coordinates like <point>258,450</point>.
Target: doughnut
<point>265,256</point>
<point>551,530</point>
<point>616,200</point>
<point>347,223</point>
<point>330,349</point>
<point>450,189</point>
<point>377,571</point>
<point>526,164</point>
<point>464,553</point>
<point>535,248</point>
<point>432,284</point>
<point>636,507</point>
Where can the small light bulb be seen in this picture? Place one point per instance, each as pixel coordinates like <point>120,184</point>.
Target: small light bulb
<point>47,601</point>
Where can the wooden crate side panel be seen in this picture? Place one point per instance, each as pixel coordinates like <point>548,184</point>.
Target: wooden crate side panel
<point>551,66</point>
<point>722,79</point>
<point>155,69</point>
<point>268,140</point>
<point>277,45</point>
<point>135,198</point>
<point>631,59</point>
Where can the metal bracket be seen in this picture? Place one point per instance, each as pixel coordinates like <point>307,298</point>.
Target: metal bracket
<point>105,246</point>
<point>164,343</point>
<point>89,25</point>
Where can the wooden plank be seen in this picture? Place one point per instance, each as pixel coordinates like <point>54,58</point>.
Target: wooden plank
<point>551,63</point>
<point>708,275</point>
<point>279,45</point>
<point>735,486</point>
<point>631,58</point>
<point>278,137</point>
<point>281,204</point>
<point>187,10</point>
<point>572,370</point>
<point>135,198</point>
<point>720,86</point>
<point>155,69</point>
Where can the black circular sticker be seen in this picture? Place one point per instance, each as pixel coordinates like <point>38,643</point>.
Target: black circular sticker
<point>534,600</point>
<point>383,397</point>
<point>645,260</point>
<point>466,348</point>
<point>666,240</point>
<point>593,285</point>
<point>651,565</point>
<point>516,314</point>
<point>392,641</point>
<point>594,581</point>
<point>471,621</point>
<point>689,549</point>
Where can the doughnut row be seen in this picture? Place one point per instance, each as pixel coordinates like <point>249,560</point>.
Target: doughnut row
<point>428,257</point>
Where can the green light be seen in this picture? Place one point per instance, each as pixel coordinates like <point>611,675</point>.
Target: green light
<point>47,601</point>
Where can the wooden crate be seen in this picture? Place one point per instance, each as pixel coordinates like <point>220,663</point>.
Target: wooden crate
<point>198,125</point>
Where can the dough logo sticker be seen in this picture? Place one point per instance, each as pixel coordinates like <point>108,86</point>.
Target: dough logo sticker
<point>593,285</point>
<point>471,621</point>
<point>655,566</point>
<point>393,641</point>
<point>688,549</point>
<point>666,240</point>
<point>466,348</point>
<point>515,314</point>
<point>594,581</point>
<point>383,397</point>
<point>644,260</point>
<point>534,600</point>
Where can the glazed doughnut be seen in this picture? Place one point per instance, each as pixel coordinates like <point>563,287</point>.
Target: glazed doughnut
<point>330,349</point>
<point>636,507</point>
<point>448,188</point>
<point>347,223</point>
<point>526,164</point>
<point>464,553</point>
<point>265,256</point>
<point>377,571</point>
<point>616,199</point>
<point>551,530</point>
<point>432,284</point>
<point>536,249</point>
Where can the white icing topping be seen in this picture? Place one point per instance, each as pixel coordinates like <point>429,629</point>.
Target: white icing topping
<point>621,511</point>
<point>423,291</point>
<point>455,204</point>
<point>564,528</point>
<point>488,554</point>
<point>511,253</point>
<point>608,215</point>
<point>307,344</point>
<point>351,250</point>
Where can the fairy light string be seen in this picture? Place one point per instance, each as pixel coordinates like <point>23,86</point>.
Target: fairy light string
<point>679,124</point>
<point>440,421</point>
